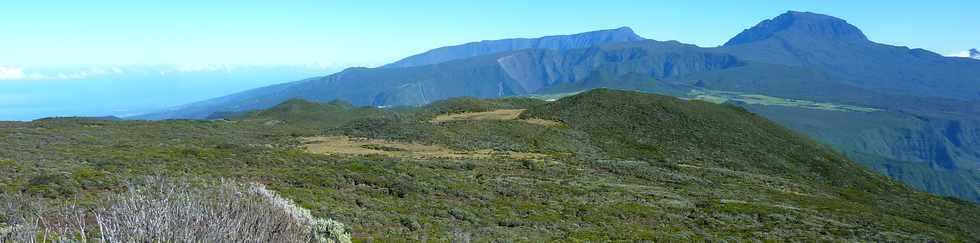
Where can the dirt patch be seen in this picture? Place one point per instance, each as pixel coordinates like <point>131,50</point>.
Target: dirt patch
<point>499,115</point>
<point>502,114</point>
<point>542,122</point>
<point>343,145</point>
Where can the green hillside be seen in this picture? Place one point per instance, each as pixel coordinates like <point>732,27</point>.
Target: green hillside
<point>607,166</point>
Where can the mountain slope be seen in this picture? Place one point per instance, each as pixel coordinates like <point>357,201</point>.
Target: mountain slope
<point>831,45</point>
<point>490,76</point>
<point>558,42</point>
<point>937,155</point>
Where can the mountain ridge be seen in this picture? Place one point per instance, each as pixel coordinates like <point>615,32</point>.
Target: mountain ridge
<point>496,75</point>
<point>554,42</point>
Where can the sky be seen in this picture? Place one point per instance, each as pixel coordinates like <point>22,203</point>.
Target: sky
<point>370,33</point>
<point>93,58</point>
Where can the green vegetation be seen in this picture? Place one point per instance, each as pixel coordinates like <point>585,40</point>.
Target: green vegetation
<point>157,209</point>
<point>932,153</point>
<point>720,97</point>
<point>470,104</point>
<point>623,166</point>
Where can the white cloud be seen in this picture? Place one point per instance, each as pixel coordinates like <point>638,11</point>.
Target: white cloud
<point>11,73</point>
<point>21,74</point>
<point>960,54</point>
<point>972,53</point>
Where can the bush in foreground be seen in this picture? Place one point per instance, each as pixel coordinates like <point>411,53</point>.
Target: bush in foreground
<point>161,210</point>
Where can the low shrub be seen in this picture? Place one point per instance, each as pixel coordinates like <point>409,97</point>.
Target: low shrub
<point>162,210</point>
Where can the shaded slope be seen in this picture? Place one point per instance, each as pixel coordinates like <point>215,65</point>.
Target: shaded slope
<point>938,155</point>
<point>928,143</point>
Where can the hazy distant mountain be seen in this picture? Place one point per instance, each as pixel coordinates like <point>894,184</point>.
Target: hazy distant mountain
<point>498,75</point>
<point>409,81</point>
<point>28,92</point>
<point>558,42</point>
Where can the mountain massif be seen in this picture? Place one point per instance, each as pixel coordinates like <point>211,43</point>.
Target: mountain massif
<point>833,46</point>
<point>907,113</point>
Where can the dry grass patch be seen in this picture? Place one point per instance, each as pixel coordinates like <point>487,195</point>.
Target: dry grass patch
<point>502,114</point>
<point>542,122</point>
<point>499,115</point>
<point>344,145</point>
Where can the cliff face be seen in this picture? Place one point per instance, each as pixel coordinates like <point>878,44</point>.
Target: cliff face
<point>535,70</point>
<point>934,154</point>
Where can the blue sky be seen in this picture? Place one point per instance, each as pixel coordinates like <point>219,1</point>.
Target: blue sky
<point>48,33</point>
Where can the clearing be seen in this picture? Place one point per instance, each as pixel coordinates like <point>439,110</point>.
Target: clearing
<point>499,115</point>
<point>716,96</point>
<point>344,145</point>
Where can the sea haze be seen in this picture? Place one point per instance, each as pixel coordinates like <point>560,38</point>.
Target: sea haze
<point>30,93</point>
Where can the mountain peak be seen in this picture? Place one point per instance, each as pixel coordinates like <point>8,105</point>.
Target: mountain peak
<point>625,30</point>
<point>800,25</point>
